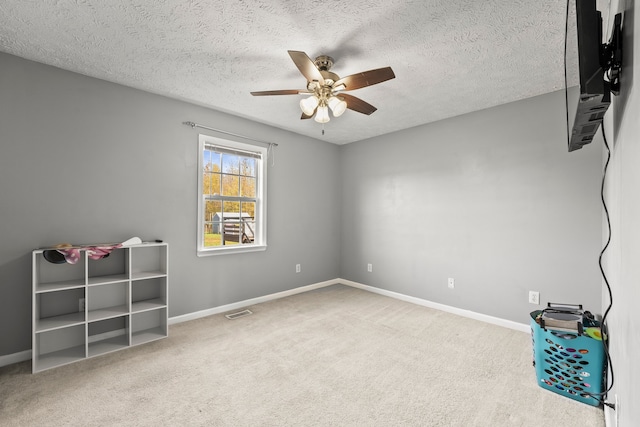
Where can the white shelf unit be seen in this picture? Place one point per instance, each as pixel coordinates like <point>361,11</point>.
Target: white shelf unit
<point>125,298</point>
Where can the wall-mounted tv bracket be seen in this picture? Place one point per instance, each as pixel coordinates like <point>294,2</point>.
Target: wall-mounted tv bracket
<point>611,59</point>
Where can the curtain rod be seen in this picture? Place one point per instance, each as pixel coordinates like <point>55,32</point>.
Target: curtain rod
<point>196,125</point>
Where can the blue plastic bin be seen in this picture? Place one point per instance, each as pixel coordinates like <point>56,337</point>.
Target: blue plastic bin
<point>568,363</point>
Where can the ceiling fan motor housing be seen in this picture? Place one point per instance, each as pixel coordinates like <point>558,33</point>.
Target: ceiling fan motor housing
<point>324,62</point>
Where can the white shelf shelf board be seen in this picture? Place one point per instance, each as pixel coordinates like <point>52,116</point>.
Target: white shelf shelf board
<point>58,358</point>
<point>142,275</point>
<point>58,322</point>
<point>147,335</point>
<point>59,286</point>
<point>107,346</point>
<point>103,280</point>
<point>107,313</point>
<point>147,305</point>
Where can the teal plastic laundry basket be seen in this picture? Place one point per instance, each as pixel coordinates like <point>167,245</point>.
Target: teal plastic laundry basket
<point>569,363</point>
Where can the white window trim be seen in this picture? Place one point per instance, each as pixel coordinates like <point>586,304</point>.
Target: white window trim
<point>260,242</point>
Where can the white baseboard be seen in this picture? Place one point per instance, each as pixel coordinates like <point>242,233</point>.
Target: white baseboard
<point>246,303</point>
<point>26,355</point>
<point>610,417</point>
<point>10,359</point>
<point>610,414</point>
<point>522,327</point>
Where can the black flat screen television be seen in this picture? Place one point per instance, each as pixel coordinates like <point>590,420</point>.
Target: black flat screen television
<point>595,93</point>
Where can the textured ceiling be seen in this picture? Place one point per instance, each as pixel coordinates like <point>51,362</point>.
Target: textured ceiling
<point>450,57</point>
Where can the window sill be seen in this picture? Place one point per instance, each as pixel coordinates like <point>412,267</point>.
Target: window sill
<point>231,250</point>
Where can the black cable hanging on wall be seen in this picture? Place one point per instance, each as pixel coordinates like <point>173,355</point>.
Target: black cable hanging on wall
<point>614,80</point>
<point>603,328</point>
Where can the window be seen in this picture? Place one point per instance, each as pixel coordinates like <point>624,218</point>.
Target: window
<point>232,197</point>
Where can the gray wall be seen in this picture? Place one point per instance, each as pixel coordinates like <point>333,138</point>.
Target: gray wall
<point>491,199</point>
<point>623,255</point>
<point>85,161</point>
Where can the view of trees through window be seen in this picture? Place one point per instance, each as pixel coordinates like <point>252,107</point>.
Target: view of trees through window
<point>229,188</point>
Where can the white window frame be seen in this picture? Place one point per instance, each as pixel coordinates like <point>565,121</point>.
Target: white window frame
<point>260,237</point>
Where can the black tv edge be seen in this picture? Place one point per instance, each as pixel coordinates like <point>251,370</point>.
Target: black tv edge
<point>596,60</point>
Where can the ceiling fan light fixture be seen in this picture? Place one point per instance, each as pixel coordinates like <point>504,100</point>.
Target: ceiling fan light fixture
<point>308,105</point>
<point>326,88</point>
<point>337,105</point>
<point>322,114</point>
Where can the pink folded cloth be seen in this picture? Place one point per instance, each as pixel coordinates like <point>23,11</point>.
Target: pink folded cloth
<point>72,255</point>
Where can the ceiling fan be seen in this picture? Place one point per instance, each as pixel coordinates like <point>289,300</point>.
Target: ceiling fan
<point>326,88</point>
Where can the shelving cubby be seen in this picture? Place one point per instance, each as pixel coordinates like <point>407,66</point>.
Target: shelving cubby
<point>98,306</point>
<point>105,336</point>
<point>107,300</point>
<point>58,309</point>
<point>59,347</point>
<point>148,326</point>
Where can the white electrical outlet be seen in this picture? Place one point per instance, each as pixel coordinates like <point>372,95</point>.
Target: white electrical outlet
<point>81,304</point>
<point>451,283</point>
<point>369,268</point>
<point>298,268</point>
<point>534,297</point>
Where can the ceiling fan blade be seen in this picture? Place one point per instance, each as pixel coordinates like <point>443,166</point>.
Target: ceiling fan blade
<point>366,78</point>
<point>306,66</point>
<point>279,92</point>
<point>357,104</point>
<point>304,116</point>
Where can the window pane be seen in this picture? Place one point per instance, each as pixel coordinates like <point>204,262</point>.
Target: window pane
<point>211,208</point>
<point>211,161</point>
<point>211,168</point>
<point>247,211</point>
<point>230,185</point>
<point>216,180</point>
<point>216,159</point>
<point>211,183</point>
<point>206,182</point>
<point>206,160</point>
<point>212,229</point>
<point>249,232</point>
<point>247,186</point>
<point>230,164</point>
<point>231,224</point>
<point>231,209</point>
<point>206,169</point>
<point>248,166</point>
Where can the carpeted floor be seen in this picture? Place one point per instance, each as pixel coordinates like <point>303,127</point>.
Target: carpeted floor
<point>336,356</point>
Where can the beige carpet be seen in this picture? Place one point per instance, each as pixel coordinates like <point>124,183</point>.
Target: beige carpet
<point>337,356</point>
